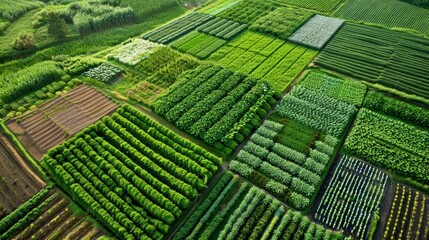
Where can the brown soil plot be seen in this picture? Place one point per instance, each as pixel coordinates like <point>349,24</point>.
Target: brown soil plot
<point>61,118</point>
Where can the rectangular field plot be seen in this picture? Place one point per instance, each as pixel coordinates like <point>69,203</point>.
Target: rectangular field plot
<point>391,144</point>
<point>174,30</point>
<point>389,13</point>
<point>248,11</point>
<point>352,197</point>
<point>213,104</point>
<point>18,181</point>
<point>133,52</point>
<point>60,118</point>
<point>317,31</point>
<point>222,28</point>
<point>408,216</point>
<point>317,110</point>
<point>273,159</point>
<point>48,215</point>
<point>266,57</point>
<point>393,59</point>
<point>352,92</point>
<point>198,44</point>
<point>132,174</point>
<point>235,210</point>
<point>281,22</point>
<point>321,6</point>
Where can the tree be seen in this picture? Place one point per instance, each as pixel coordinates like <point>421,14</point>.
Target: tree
<point>57,26</point>
<point>24,41</point>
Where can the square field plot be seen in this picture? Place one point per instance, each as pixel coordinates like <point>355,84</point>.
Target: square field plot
<point>317,31</point>
<point>57,120</point>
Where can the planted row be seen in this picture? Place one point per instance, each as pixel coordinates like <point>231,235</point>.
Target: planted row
<point>131,157</point>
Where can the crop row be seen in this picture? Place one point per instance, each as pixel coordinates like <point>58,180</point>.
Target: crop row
<point>198,44</point>
<point>389,13</point>
<point>174,30</point>
<point>408,112</point>
<point>208,101</point>
<point>351,92</point>
<point>321,6</point>
<point>281,22</point>
<point>317,110</point>
<point>222,28</point>
<point>264,57</point>
<point>391,144</point>
<point>105,73</point>
<point>408,215</point>
<point>233,210</point>
<point>396,60</point>
<point>352,197</point>
<point>247,12</point>
<point>131,157</point>
<point>317,31</point>
<point>290,175</point>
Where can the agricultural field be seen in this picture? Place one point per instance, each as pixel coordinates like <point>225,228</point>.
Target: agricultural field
<point>214,104</point>
<point>321,6</point>
<point>61,118</point>
<point>236,210</point>
<point>351,92</point>
<point>352,199</point>
<point>391,144</point>
<point>263,56</point>
<point>48,215</point>
<point>18,180</point>
<point>214,119</point>
<point>393,14</point>
<point>408,215</point>
<point>396,60</point>
<point>135,176</point>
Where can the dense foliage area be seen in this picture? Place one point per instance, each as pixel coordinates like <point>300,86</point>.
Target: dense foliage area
<point>135,176</point>
<point>286,173</point>
<point>213,104</point>
<point>351,92</point>
<point>391,144</point>
<point>248,213</point>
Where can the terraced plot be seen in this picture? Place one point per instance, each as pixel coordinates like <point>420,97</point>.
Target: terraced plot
<point>61,118</point>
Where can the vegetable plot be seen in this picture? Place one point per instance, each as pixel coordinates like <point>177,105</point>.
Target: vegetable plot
<point>390,144</point>
<point>286,173</point>
<point>353,197</point>
<point>352,92</point>
<point>215,104</point>
<point>198,44</point>
<point>222,28</point>
<point>317,110</point>
<point>133,175</point>
<point>321,6</point>
<point>234,210</point>
<point>317,31</point>
<point>174,30</point>
<point>105,73</point>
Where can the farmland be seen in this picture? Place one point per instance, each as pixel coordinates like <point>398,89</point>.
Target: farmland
<point>214,119</point>
<point>61,118</point>
<point>392,62</point>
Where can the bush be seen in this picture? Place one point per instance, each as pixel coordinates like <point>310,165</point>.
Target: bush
<point>24,42</point>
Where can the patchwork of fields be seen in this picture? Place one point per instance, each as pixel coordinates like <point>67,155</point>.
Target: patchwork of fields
<point>220,119</point>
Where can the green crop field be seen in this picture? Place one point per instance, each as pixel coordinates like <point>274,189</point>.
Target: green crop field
<point>214,119</point>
